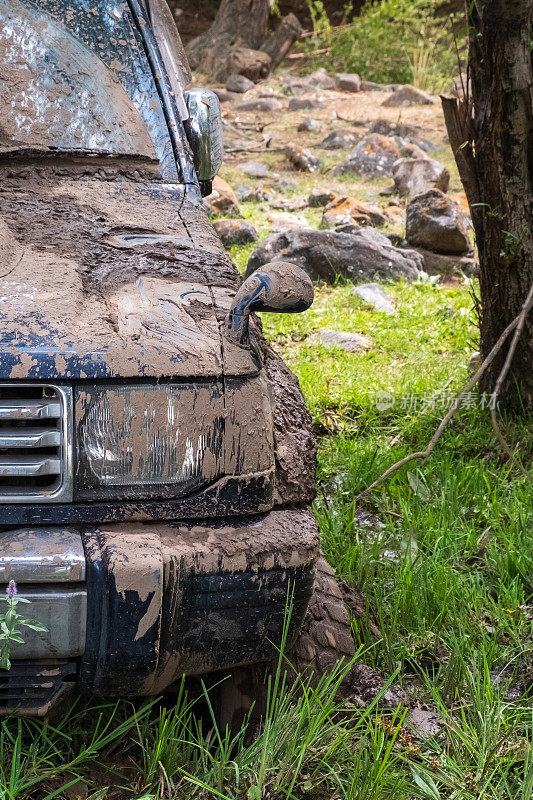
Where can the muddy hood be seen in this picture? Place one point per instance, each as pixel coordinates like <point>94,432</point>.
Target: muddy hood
<point>109,278</point>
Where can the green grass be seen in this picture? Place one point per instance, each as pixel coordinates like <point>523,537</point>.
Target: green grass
<point>443,554</point>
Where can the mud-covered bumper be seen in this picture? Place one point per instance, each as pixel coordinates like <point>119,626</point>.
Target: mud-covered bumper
<point>133,607</point>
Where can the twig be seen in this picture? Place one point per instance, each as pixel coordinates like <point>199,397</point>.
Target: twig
<point>526,308</point>
<point>518,324</point>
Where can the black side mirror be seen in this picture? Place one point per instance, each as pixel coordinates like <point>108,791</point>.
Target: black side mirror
<point>279,286</point>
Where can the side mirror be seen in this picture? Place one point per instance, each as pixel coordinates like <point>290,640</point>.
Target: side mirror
<point>205,134</point>
<point>279,286</point>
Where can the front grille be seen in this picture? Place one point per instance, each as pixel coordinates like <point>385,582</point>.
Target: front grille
<point>35,444</point>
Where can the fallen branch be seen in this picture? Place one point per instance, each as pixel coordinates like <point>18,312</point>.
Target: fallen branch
<point>516,325</point>
<point>528,305</point>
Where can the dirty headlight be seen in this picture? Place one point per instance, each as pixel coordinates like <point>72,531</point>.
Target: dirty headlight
<point>139,441</point>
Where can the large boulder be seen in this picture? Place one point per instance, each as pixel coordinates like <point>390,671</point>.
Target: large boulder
<point>374,155</point>
<point>324,255</point>
<point>341,210</point>
<point>407,96</point>
<point>414,176</point>
<point>436,223</point>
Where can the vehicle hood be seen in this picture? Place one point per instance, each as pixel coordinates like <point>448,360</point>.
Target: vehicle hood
<point>106,275</point>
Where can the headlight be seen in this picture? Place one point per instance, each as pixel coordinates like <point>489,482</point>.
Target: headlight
<point>143,442</point>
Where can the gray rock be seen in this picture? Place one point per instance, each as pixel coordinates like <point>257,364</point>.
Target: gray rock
<point>321,197</point>
<point>303,159</point>
<point>436,223</point>
<point>370,86</point>
<point>375,295</point>
<point>255,169</point>
<point>309,125</point>
<point>321,78</point>
<point>226,97</point>
<point>257,194</point>
<point>414,176</point>
<point>387,128</point>
<point>351,342</point>
<point>374,155</point>
<point>303,103</point>
<point>407,96</point>
<point>235,231</point>
<point>325,254</point>
<point>348,82</point>
<point>261,104</point>
<point>239,84</point>
<point>339,140</point>
<point>443,264</point>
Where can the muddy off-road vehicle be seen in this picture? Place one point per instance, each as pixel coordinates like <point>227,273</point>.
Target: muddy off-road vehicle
<point>157,463</point>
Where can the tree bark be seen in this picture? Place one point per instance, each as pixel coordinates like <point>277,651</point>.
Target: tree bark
<point>280,42</point>
<point>240,26</point>
<point>491,134</point>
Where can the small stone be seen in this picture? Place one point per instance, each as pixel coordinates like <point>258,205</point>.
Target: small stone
<point>255,169</point>
<point>348,82</point>
<point>375,295</point>
<point>286,221</point>
<point>342,210</point>
<point>339,140</point>
<point>407,96</point>
<point>351,342</point>
<point>414,176</point>
<point>309,126</point>
<point>302,159</point>
<point>235,231</point>
<point>303,104</point>
<point>436,223</point>
<point>321,78</point>
<point>239,84</point>
<point>321,197</point>
<point>374,155</point>
<point>222,200</point>
<point>226,97</point>
<point>259,194</point>
<point>261,104</point>
<point>474,362</point>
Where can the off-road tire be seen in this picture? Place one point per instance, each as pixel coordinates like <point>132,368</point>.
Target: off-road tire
<point>326,633</point>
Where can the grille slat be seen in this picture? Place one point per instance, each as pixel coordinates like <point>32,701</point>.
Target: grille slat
<point>29,466</point>
<point>35,446</point>
<point>30,409</point>
<point>29,437</point>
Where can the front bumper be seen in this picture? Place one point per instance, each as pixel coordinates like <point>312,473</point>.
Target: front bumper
<point>135,606</point>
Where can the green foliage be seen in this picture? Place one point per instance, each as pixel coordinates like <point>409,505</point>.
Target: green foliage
<point>394,41</point>
<point>11,624</point>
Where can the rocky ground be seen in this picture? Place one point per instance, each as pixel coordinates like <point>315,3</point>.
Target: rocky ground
<point>341,176</point>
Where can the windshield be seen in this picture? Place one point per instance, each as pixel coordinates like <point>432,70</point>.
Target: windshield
<point>74,76</point>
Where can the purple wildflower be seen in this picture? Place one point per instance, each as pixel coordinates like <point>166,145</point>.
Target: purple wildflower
<point>11,590</point>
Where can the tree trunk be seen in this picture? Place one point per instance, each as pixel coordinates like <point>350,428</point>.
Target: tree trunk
<point>240,26</point>
<point>492,137</point>
<point>280,42</point>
